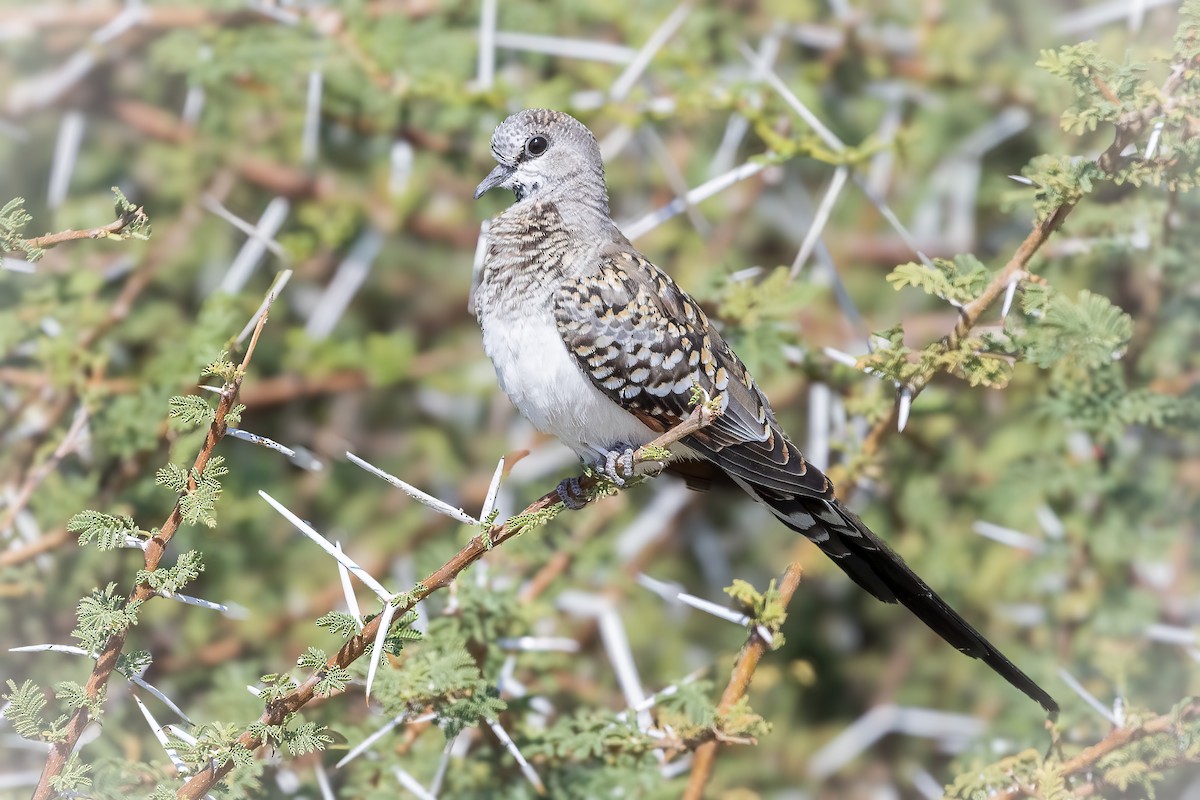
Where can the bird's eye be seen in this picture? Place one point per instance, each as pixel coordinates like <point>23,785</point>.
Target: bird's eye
<point>536,145</point>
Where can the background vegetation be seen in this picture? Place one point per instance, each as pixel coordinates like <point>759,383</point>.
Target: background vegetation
<point>1045,480</point>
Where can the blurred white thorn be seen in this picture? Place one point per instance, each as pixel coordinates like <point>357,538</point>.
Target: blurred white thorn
<point>323,781</point>
<point>841,357</point>
<point>362,746</point>
<point>1152,144</point>
<point>904,406</point>
<point>411,783</point>
<point>624,83</point>
<point>511,746</point>
<point>310,135</point>
<point>487,45</point>
<point>66,152</point>
<point>1023,180</point>
<point>1008,536</point>
<point>1087,696</point>
<point>1010,292</point>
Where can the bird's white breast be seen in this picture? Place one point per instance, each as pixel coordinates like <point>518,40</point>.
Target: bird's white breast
<point>548,387</point>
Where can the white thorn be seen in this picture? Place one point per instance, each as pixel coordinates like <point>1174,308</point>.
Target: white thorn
<point>905,406</point>
<point>50,648</point>
<point>1010,292</point>
<point>362,746</point>
<point>624,83</point>
<point>348,591</point>
<point>411,783</point>
<point>261,441</point>
<point>327,546</point>
<point>415,493</point>
<point>489,502</point>
<point>717,610</point>
<point>281,280</point>
<point>527,770</point>
<point>389,611</point>
<point>1087,696</point>
<point>137,680</point>
<point>157,730</point>
<point>1152,144</point>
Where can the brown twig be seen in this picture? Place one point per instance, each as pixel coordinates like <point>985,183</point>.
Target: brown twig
<point>739,682</point>
<point>35,476</point>
<point>1089,757</point>
<point>201,783</point>
<point>1127,129</point>
<point>136,216</point>
<point>106,661</point>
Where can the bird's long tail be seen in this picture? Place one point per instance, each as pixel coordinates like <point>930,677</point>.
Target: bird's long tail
<point>874,566</point>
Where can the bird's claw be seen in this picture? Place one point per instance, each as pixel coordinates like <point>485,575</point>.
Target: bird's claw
<point>571,493</point>
<point>617,464</point>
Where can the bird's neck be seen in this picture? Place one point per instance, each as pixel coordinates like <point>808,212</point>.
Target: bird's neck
<point>534,245</point>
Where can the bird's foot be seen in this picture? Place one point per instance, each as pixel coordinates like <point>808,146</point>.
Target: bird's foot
<point>571,493</point>
<point>617,464</point>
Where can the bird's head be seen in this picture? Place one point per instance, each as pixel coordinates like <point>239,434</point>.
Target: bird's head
<point>546,154</point>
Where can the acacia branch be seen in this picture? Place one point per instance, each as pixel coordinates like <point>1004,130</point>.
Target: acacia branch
<point>156,546</point>
<point>1087,759</point>
<point>135,217</point>
<point>279,710</point>
<point>743,671</point>
<point>1128,128</point>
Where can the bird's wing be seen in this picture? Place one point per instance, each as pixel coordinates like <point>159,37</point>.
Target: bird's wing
<point>647,345</point>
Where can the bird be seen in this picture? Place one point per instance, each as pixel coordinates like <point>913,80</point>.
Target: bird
<point>597,346</point>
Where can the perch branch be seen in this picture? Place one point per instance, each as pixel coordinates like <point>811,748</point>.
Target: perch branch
<point>201,783</point>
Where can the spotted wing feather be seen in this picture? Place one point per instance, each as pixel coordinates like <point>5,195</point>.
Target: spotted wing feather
<point>648,345</point>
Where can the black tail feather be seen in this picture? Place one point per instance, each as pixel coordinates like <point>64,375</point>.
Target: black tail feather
<point>875,567</point>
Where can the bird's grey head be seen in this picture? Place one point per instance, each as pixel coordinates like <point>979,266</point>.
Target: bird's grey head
<point>544,154</point>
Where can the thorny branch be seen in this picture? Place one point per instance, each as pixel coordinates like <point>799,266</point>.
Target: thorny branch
<point>132,218</point>
<point>739,682</point>
<point>201,783</point>
<point>1117,738</point>
<point>1127,130</point>
<point>106,660</point>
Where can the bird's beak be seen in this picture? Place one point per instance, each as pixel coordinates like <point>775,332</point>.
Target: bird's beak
<point>497,177</point>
